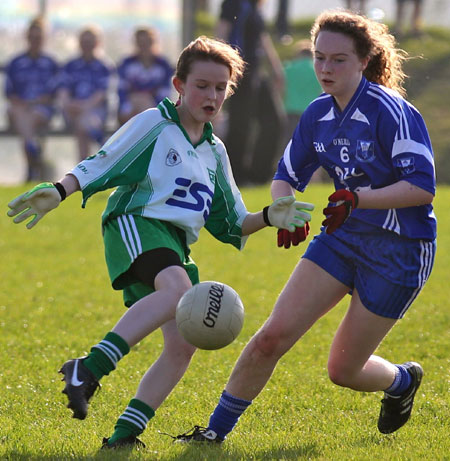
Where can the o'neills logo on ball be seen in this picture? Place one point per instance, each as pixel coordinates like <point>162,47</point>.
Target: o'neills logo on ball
<point>215,296</point>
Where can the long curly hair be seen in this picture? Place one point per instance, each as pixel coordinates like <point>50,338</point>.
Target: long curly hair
<point>371,39</point>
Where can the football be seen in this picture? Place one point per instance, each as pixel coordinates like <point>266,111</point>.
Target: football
<point>210,315</point>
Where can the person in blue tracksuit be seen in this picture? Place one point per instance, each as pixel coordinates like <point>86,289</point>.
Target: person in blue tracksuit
<point>30,86</point>
<point>144,77</point>
<point>83,91</point>
<point>378,237</point>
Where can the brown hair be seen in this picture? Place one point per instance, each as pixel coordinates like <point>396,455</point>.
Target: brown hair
<point>90,29</point>
<point>209,49</point>
<point>149,31</point>
<point>371,39</point>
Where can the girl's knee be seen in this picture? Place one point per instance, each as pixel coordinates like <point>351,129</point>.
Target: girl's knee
<point>340,374</point>
<point>268,342</point>
<point>180,352</point>
<point>176,282</point>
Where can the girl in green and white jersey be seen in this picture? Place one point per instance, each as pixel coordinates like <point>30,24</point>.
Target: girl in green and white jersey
<point>172,177</point>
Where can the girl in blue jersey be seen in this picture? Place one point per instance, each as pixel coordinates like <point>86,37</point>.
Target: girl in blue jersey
<point>378,237</point>
<point>83,92</point>
<point>144,77</point>
<point>31,80</point>
<point>173,177</point>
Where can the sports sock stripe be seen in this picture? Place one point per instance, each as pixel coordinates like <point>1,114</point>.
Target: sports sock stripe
<point>135,417</point>
<point>107,352</point>
<point>226,414</point>
<point>233,407</point>
<point>133,421</point>
<point>113,349</point>
<point>132,412</point>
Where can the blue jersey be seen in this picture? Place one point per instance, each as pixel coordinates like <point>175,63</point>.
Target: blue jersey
<point>30,78</point>
<point>84,78</point>
<point>155,79</point>
<point>379,139</point>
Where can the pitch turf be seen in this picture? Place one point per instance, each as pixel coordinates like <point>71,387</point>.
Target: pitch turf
<point>55,302</point>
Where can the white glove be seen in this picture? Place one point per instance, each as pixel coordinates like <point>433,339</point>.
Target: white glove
<point>287,213</point>
<point>36,202</point>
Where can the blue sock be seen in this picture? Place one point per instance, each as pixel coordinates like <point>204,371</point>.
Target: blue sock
<point>226,414</point>
<point>34,149</point>
<point>401,382</point>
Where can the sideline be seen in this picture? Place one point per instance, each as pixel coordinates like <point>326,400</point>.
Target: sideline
<point>60,156</point>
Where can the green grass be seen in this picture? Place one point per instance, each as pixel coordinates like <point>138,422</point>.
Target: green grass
<point>55,302</point>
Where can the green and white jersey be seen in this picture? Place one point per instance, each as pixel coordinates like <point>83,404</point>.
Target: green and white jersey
<point>160,174</point>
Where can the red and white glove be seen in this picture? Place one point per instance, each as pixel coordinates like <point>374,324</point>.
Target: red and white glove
<point>342,203</point>
<point>286,238</point>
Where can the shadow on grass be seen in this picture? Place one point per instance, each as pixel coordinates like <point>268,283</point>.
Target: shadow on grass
<point>191,453</point>
<point>194,452</point>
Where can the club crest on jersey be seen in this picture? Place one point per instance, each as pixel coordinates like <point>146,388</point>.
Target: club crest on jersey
<point>365,151</point>
<point>406,165</point>
<point>173,158</point>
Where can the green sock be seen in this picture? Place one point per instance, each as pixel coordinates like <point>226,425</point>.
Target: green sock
<point>103,357</point>
<point>133,421</point>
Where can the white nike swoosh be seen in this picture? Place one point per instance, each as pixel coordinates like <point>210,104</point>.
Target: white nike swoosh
<point>74,380</point>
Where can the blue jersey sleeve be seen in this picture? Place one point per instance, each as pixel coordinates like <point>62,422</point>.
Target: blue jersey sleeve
<point>410,147</point>
<point>299,160</point>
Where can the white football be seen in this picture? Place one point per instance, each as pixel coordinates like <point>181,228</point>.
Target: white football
<point>210,315</point>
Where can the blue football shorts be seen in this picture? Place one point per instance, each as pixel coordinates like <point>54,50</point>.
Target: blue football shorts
<point>388,270</point>
<point>46,111</point>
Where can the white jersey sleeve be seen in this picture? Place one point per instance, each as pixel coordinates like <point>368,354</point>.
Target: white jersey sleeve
<point>124,158</point>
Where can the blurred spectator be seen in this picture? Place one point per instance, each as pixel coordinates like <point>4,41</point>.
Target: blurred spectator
<point>359,6</point>
<point>416,18</point>
<point>256,116</point>
<point>302,85</point>
<point>83,92</point>
<point>31,80</point>
<point>145,78</point>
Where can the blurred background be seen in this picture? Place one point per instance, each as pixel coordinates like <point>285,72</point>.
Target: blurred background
<point>177,22</point>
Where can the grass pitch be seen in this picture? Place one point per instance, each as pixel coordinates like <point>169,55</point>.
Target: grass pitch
<point>56,301</point>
